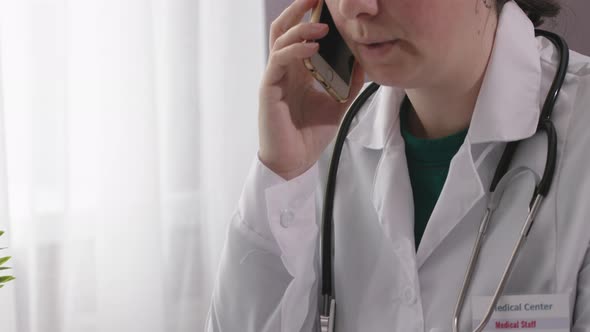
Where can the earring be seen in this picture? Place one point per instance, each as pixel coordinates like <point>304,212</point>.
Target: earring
<point>488,3</point>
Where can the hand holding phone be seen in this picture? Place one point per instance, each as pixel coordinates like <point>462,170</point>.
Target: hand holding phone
<point>297,121</point>
<point>333,65</point>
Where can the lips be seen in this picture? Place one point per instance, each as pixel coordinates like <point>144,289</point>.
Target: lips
<point>373,51</point>
<point>369,42</point>
<point>377,44</point>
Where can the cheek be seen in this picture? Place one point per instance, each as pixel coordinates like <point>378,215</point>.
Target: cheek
<point>339,20</point>
<point>430,24</point>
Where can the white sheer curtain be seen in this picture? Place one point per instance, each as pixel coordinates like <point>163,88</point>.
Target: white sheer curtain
<point>126,131</point>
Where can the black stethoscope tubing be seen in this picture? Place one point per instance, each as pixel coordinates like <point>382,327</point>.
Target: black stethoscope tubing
<point>545,125</point>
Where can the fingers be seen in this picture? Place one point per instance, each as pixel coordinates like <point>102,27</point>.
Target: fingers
<point>281,59</point>
<point>289,18</point>
<point>286,40</point>
<point>301,33</point>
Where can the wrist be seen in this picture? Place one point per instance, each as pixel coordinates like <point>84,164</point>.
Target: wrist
<point>287,173</point>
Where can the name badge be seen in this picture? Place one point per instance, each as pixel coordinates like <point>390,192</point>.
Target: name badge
<point>547,313</point>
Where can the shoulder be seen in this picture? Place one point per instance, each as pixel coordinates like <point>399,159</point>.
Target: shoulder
<point>571,118</point>
<point>577,82</point>
<point>574,100</point>
<point>572,111</point>
<point>571,185</point>
<point>579,72</point>
<point>579,64</point>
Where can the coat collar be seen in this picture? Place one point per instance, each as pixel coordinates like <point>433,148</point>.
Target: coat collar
<point>507,107</point>
<point>378,119</point>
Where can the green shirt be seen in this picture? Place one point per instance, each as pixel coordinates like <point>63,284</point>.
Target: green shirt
<point>428,165</point>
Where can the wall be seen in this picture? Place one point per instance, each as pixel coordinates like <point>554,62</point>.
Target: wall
<point>574,24</point>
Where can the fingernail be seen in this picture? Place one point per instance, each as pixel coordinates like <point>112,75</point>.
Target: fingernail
<point>311,45</point>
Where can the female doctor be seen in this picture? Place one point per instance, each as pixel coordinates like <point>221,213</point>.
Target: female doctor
<point>414,176</point>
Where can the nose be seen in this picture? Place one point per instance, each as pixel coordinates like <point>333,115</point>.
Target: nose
<point>353,9</point>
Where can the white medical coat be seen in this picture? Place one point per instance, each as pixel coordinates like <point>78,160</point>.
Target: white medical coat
<point>268,276</point>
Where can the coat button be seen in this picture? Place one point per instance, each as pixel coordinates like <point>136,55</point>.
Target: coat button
<point>287,218</point>
<point>409,295</point>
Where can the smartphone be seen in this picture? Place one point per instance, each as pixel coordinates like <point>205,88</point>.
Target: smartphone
<point>332,66</point>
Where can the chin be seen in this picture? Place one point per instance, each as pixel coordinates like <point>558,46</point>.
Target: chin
<point>393,78</point>
<point>405,77</point>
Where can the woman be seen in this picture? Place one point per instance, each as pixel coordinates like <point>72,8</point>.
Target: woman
<point>414,174</point>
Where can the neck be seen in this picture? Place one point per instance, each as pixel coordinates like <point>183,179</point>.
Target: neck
<point>447,107</point>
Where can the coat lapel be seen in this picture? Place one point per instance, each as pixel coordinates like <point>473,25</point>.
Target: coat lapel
<point>377,128</point>
<point>462,189</point>
<point>394,207</point>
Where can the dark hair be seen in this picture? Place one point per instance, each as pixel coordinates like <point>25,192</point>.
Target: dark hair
<point>537,10</point>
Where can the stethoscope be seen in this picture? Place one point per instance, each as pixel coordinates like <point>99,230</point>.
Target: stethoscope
<point>327,298</point>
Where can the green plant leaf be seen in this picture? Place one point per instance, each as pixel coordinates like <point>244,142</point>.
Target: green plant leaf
<point>4,260</point>
<point>6,279</point>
